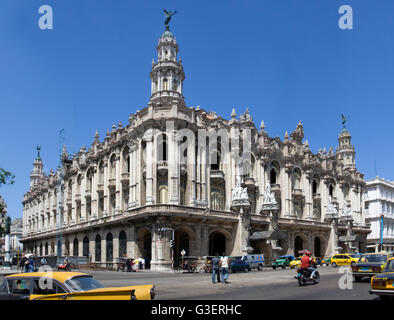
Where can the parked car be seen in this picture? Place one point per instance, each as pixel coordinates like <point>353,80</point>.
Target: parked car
<point>370,264</point>
<point>383,284</point>
<point>326,262</point>
<point>296,263</point>
<point>344,260</point>
<point>282,261</point>
<point>256,261</point>
<point>240,265</point>
<point>68,286</point>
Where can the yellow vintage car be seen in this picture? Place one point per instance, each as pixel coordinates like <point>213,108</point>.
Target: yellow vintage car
<point>344,259</point>
<point>296,263</point>
<point>70,286</point>
<point>383,284</point>
<point>370,264</point>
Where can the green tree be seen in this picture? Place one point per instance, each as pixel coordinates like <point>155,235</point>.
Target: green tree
<point>6,177</point>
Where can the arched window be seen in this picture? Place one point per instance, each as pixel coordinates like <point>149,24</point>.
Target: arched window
<point>109,247</point>
<point>162,150</point>
<point>122,244</point>
<point>165,84</point>
<point>85,247</point>
<point>315,184</point>
<point>174,85</point>
<point>75,247</point>
<point>89,179</point>
<point>101,173</point>
<point>163,194</point>
<point>97,252</point>
<point>217,200</point>
<point>126,160</point>
<point>331,190</point>
<point>79,182</point>
<point>273,173</point>
<point>346,192</point>
<point>296,179</point>
<point>112,167</point>
<point>216,158</point>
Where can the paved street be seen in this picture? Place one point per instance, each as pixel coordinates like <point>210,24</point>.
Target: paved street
<point>254,285</point>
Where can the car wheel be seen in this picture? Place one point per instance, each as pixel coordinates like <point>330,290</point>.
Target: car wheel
<point>246,270</point>
<point>273,267</point>
<point>357,279</point>
<point>334,265</point>
<point>260,267</point>
<point>283,267</point>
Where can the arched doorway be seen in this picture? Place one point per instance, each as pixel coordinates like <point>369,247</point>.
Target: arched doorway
<point>147,252</point>
<point>122,244</point>
<point>85,248</point>
<point>97,251</point>
<point>67,247</point>
<point>75,247</point>
<point>109,247</point>
<point>217,243</point>
<point>317,247</point>
<point>298,245</point>
<point>181,243</point>
<point>46,249</point>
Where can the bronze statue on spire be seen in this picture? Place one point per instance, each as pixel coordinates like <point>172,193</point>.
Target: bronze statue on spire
<point>168,14</point>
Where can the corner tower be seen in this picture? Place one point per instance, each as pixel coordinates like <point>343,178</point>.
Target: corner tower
<point>345,151</point>
<point>167,73</point>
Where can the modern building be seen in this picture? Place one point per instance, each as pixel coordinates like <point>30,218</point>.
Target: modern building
<point>379,212</point>
<point>177,167</point>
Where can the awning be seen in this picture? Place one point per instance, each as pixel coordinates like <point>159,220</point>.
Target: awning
<point>269,235</point>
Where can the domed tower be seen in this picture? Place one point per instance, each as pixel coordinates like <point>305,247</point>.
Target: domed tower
<point>37,173</point>
<point>167,73</point>
<point>345,151</point>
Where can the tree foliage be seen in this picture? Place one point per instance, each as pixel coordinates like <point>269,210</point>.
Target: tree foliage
<point>6,177</point>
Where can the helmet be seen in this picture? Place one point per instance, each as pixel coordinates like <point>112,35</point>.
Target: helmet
<point>308,253</point>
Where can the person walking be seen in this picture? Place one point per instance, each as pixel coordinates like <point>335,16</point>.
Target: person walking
<point>224,262</point>
<point>43,261</point>
<point>215,262</point>
<point>143,263</point>
<point>32,264</point>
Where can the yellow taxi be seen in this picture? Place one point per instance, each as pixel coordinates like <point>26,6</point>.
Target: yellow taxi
<point>344,259</point>
<point>370,264</point>
<point>296,263</point>
<point>383,284</point>
<point>69,286</point>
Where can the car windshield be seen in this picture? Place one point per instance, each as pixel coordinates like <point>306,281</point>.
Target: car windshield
<point>83,283</point>
<point>373,258</point>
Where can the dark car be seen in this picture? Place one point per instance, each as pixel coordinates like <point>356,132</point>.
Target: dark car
<point>240,265</point>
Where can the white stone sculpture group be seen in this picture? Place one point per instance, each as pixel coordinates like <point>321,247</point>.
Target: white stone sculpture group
<point>269,197</point>
<point>240,193</point>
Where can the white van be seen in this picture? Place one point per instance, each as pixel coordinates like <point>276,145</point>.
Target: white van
<point>256,261</point>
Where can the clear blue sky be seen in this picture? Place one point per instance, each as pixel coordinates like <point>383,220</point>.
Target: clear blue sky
<point>284,60</point>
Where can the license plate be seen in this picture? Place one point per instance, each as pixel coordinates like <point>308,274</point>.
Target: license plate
<point>365,269</point>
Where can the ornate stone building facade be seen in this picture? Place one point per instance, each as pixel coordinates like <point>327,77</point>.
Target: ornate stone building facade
<point>159,171</point>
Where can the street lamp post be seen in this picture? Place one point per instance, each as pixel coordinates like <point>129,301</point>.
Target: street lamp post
<point>162,230</point>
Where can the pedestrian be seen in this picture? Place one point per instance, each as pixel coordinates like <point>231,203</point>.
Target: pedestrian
<point>135,264</point>
<point>26,264</point>
<point>215,262</point>
<point>143,263</point>
<point>224,263</point>
<point>140,263</point>
<point>31,264</point>
<point>43,261</point>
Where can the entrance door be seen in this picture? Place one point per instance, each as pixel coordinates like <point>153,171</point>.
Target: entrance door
<point>217,243</point>
<point>147,250</point>
<point>298,245</point>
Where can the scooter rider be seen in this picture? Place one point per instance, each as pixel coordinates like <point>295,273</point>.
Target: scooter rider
<point>307,262</point>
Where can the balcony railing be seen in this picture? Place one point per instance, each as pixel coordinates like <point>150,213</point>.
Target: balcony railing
<point>217,174</point>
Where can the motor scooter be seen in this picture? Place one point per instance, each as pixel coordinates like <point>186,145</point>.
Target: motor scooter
<point>303,276</point>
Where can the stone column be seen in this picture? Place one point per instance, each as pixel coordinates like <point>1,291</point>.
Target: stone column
<point>191,171</point>
<point>118,184</point>
<point>173,166</point>
<point>149,169</point>
<point>94,200</point>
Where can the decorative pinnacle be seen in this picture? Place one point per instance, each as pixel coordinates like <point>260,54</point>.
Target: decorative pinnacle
<point>262,125</point>
<point>233,114</point>
<point>286,135</point>
<point>96,135</point>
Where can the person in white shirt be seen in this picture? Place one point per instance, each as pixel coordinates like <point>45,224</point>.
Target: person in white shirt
<point>224,267</point>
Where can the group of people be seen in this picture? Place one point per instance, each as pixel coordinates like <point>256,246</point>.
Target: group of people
<point>27,264</point>
<point>220,268</point>
<point>134,265</point>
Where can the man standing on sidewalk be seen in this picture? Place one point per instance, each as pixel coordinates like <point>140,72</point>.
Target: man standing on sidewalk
<point>224,262</point>
<point>215,262</point>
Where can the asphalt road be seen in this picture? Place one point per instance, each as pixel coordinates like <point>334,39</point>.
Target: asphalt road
<point>255,285</point>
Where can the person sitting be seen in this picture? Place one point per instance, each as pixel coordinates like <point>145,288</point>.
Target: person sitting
<point>307,262</point>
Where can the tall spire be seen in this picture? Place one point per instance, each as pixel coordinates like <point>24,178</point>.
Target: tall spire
<point>36,174</point>
<point>167,73</point>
